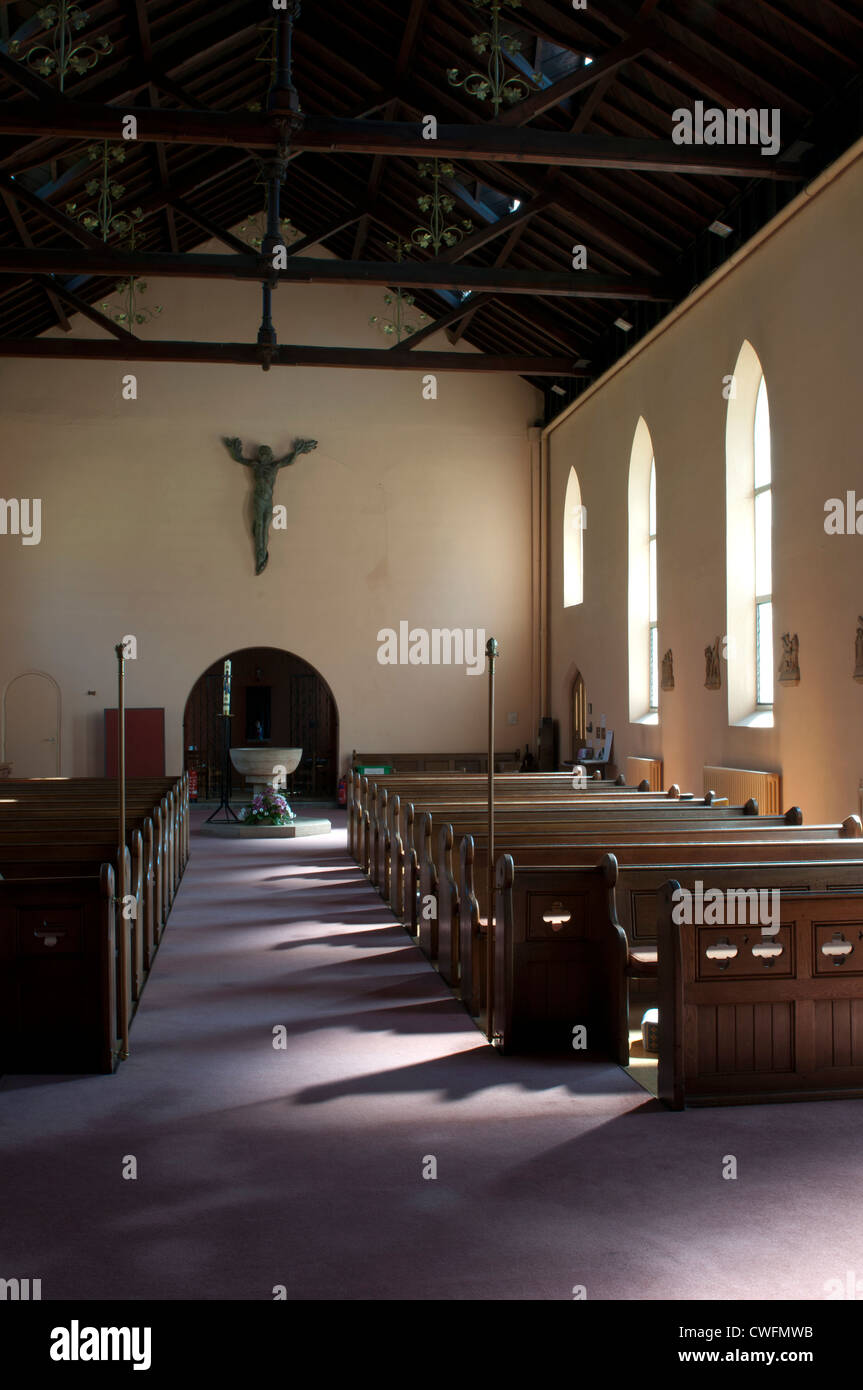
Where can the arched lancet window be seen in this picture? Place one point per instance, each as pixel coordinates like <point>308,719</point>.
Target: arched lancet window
<point>749,544</point>
<point>643,582</point>
<point>574,520</point>
<point>653,615</point>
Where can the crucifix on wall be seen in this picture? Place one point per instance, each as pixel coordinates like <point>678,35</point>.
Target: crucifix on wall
<point>265,468</point>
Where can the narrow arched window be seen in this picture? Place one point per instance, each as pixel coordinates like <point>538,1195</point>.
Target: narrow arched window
<point>763,500</point>
<point>653,615</point>
<point>643,582</point>
<point>574,519</point>
<point>749,544</point>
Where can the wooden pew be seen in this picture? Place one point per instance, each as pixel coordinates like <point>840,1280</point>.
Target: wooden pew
<point>730,1029</point>
<point>637,900</point>
<point>470,972</point>
<point>388,823</point>
<point>428,870</point>
<point>739,1024</point>
<point>55,856</point>
<point>57,828</point>
<point>362,792</point>
<point>77,799</point>
<point>58,990</point>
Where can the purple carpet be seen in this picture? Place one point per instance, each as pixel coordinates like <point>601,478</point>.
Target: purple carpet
<point>303,1166</point>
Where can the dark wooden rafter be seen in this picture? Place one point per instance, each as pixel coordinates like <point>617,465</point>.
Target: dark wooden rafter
<point>500,260</point>
<point>26,240</point>
<point>491,143</point>
<point>574,82</point>
<point>407,275</point>
<point>618,185</point>
<point>284,355</point>
<point>374,184</point>
<point>410,37</point>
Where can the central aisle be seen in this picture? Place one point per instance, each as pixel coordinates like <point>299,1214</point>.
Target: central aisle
<point>303,1167</point>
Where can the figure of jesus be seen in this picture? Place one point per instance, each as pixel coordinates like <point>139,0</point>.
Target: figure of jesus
<point>265,469</point>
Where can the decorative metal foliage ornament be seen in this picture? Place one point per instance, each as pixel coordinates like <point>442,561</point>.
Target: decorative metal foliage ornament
<point>103,218</point>
<point>61,54</point>
<point>397,324</point>
<point>494,83</point>
<point>438,207</point>
<point>254,229</point>
<point>129,313</point>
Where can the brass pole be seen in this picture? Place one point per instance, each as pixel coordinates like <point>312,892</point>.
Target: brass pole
<point>491,651</point>
<point>121,920</point>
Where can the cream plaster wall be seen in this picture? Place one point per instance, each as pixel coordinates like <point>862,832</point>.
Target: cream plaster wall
<point>798,298</point>
<point>409,509</point>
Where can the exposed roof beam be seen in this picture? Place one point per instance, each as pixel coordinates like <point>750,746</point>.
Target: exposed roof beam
<point>334,135</point>
<point>406,274</point>
<point>410,36</point>
<point>535,105</point>
<point>26,240</point>
<point>82,307</point>
<point>504,225</point>
<point>212,229</point>
<point>49,212</point>
<point>703,73</point>
<point>374,184</point>
<point>97,350</point>
<point>459,311</point>
<point>501,259</point>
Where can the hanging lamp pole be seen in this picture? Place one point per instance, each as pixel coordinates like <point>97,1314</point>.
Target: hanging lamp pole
<point>491,651</point>
<point>125,1002</point>
<point>282,101</point>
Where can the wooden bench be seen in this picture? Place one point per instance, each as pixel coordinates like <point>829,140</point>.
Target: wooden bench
<point>470,970</point>
<point>362,792</point>
<point>58,988</point>
<point>429,866</point>
<point>388,816</point>
<point>434,762</point>
<point>389,823</point>
<point>55,830</point>
<point>733,1026</point>
<point>740,1023</point>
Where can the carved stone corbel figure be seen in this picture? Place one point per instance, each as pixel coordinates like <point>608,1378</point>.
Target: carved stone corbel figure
<point>789,668</point>
<point>667,682</point>
<point>858,669</point>
<point>713,676</point>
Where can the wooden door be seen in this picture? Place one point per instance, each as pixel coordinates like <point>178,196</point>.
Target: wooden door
<point>31,724</point>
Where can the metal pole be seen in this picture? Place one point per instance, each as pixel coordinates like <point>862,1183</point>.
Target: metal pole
<point>125,1002</point>
<point>491,651</point>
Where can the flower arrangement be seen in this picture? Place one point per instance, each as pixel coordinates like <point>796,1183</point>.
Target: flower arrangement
<point>269,808</point>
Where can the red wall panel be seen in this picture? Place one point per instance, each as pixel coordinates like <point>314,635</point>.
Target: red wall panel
<point>145,743</point>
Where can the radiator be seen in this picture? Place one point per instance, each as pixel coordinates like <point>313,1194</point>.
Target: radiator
<point>738,784</point>
<point>639,769</point>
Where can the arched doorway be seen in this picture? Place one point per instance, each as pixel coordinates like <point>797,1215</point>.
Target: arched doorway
<point>578,714</point>
<point>276,699</point>
<point>31,725</point>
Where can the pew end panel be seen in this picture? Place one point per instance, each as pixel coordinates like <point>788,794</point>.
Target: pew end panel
<point>58,1002</point>
<point>429,891</point>
<point>447,908</point>
<point>755,1017</point>
<point>472,939</point>
<point>555,949</point>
